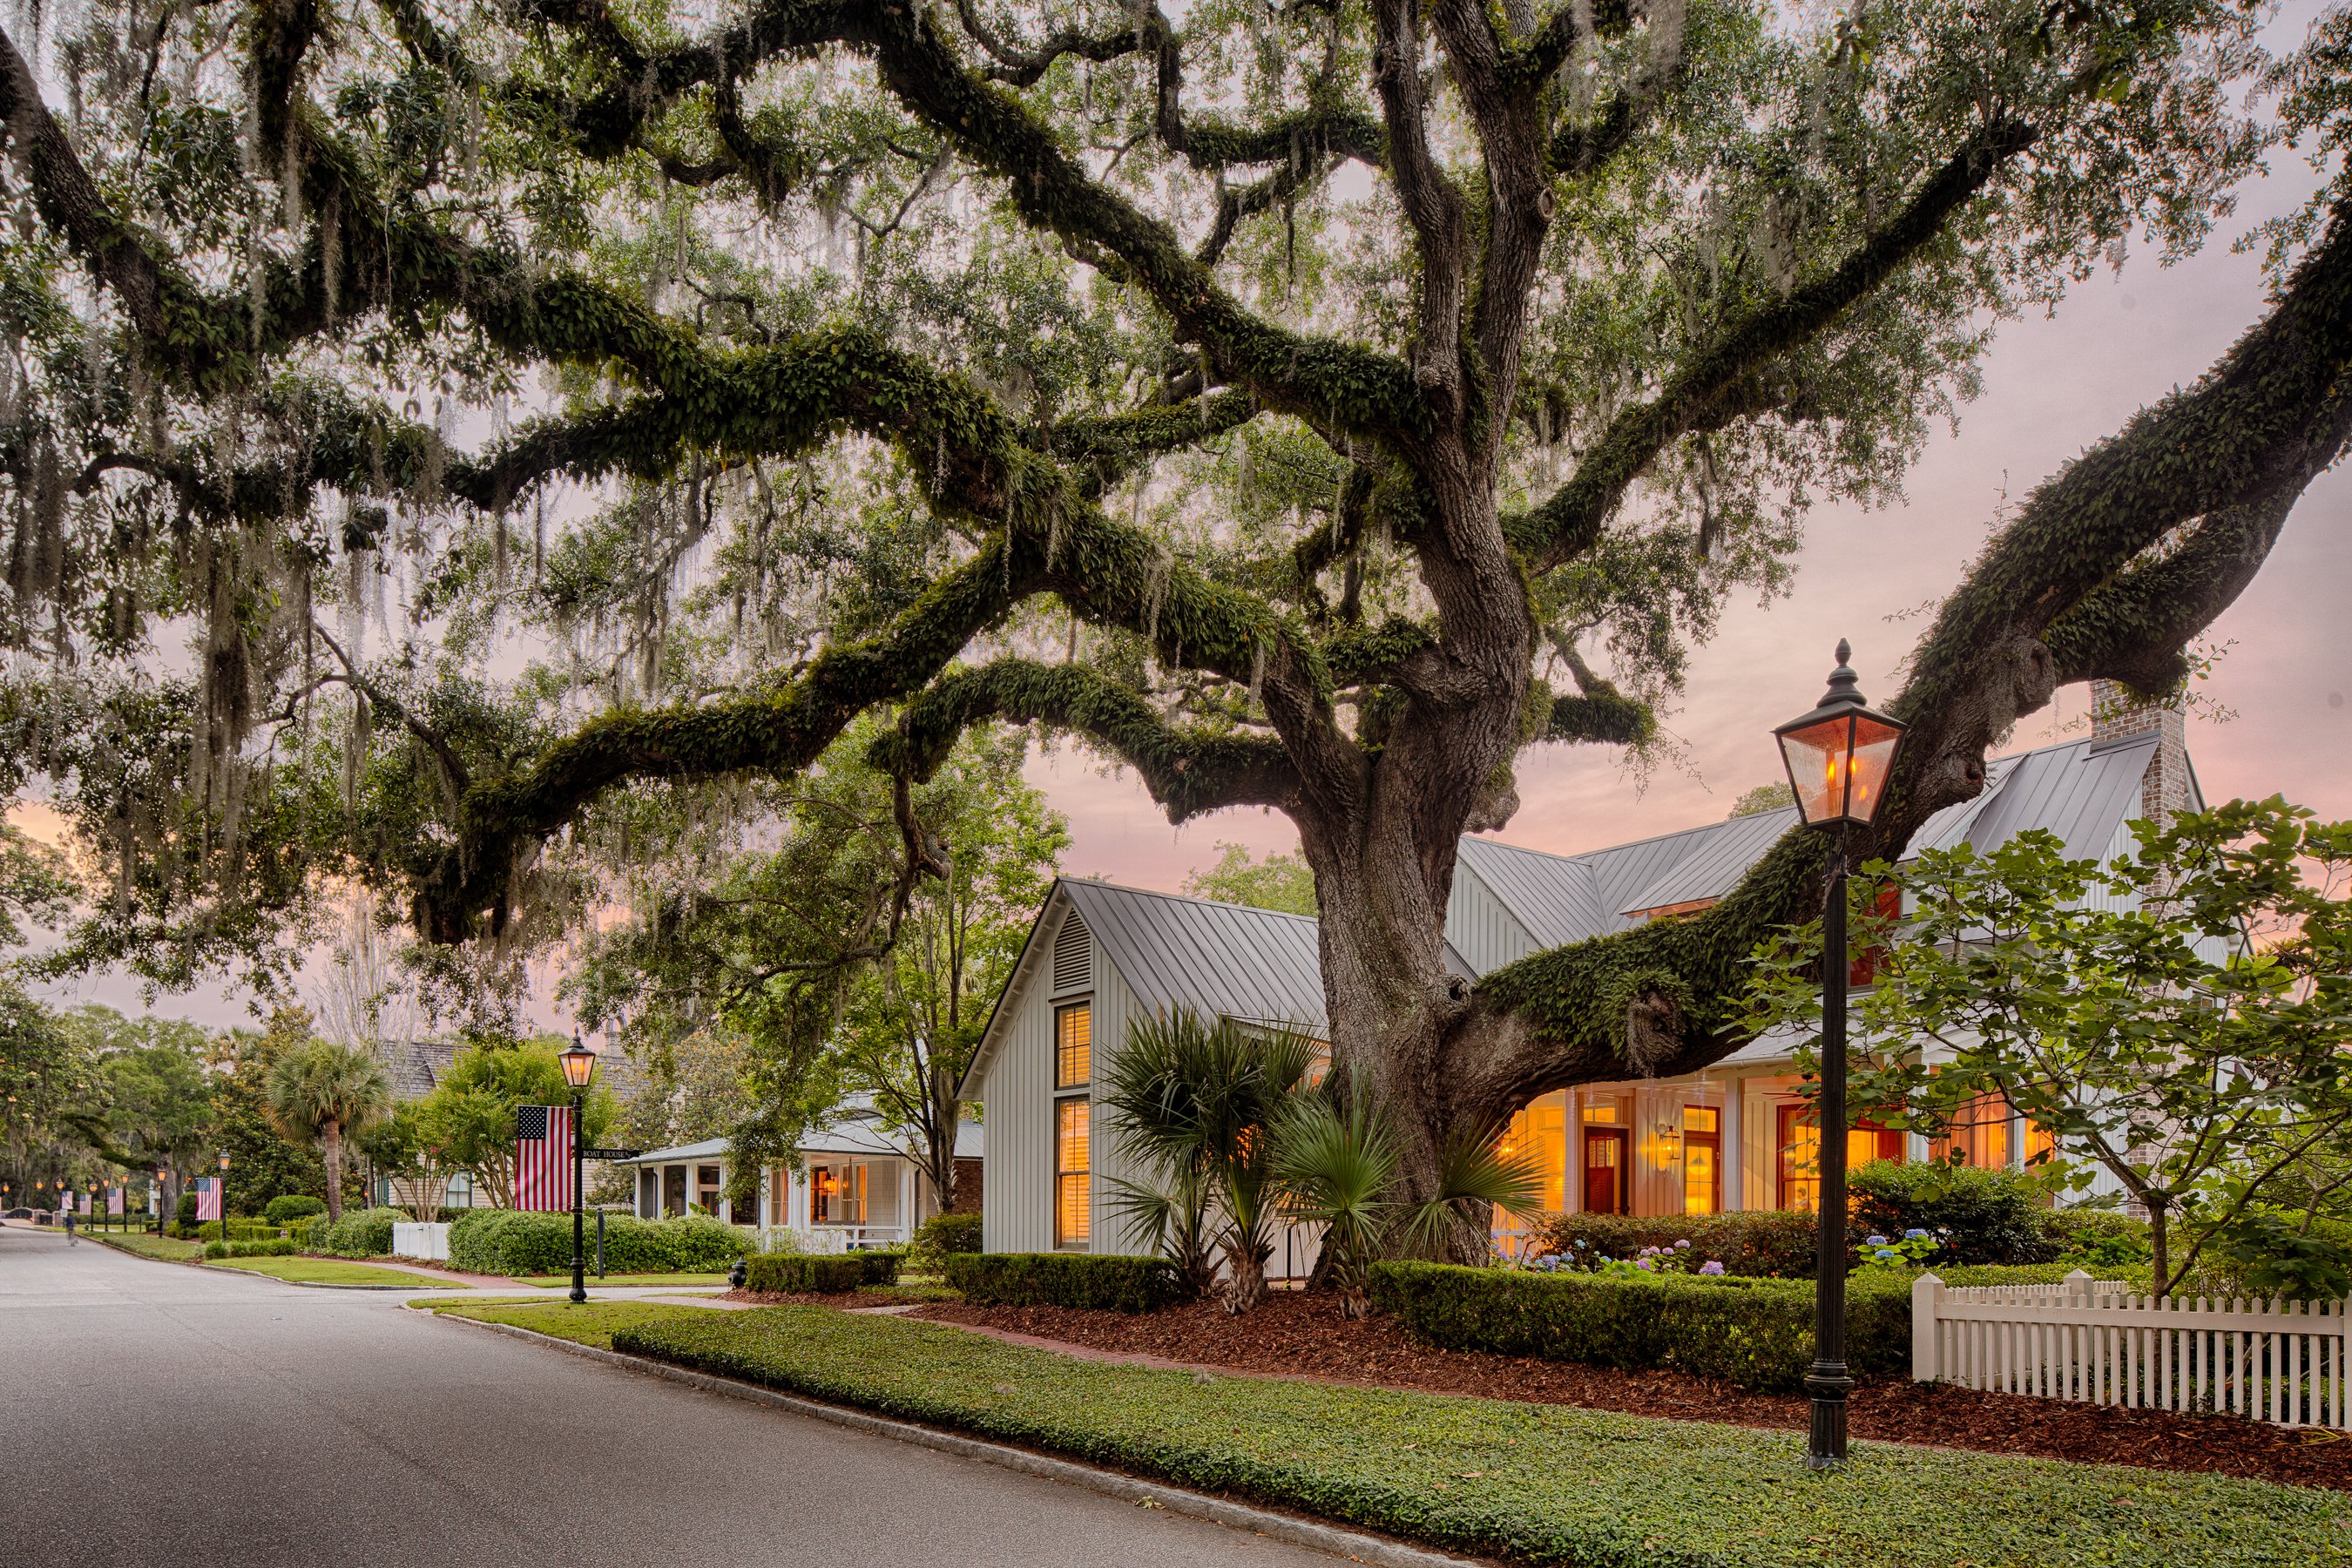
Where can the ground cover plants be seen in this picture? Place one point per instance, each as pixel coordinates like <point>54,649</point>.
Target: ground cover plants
<point>1298,1335</point>
<point>591,1323</point>
<point>1535,1483</point>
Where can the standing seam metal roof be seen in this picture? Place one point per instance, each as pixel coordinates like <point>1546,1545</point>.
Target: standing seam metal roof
<point>2080,790</point>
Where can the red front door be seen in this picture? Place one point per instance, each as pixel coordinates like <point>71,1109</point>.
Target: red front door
<point>1604,1170</point>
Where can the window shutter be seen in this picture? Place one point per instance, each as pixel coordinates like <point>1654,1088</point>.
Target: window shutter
<point>1073,957</point>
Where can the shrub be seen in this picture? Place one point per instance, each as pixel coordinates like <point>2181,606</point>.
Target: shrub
<point>249,1249</point>
<point>512,1241</point>
<point>183,1216</point>
<point>1107,1283</point>
<point>365,1233</point>
<point>287,1208</point>
<point>1758,1334</point>
<point>1982,1216</point>
<point>948,1232</point>
<point>799,1273</point>
<point>1763,1244</point>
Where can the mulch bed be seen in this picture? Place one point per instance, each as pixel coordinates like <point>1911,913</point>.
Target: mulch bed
<point>1303,1335</point>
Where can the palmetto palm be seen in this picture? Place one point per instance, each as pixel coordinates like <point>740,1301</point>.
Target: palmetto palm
<point>1339,1160</point>
<point>323,1091</point>
<point>1192,1102</point>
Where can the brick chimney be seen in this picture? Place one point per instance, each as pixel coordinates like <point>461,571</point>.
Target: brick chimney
<point>2117,715</point>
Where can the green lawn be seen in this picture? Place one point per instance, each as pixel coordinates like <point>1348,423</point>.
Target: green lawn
<point>1535,1483</point>
<point>590,1324</point>
<point>169,1249</point>
<point>329,1271</point>
<point>563,1281</point>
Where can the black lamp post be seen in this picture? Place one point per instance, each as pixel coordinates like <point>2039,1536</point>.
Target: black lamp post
<point>579,1066</point>
<point>1839,757</point>
<point>224,1197</point>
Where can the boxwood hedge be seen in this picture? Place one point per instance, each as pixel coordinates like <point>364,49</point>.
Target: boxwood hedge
<point>1758,1334</point>
<point>511,1241</point>
<point>796,1273</point>
<point>367,1233</point>
<point>1106,1281</point>
<point>1529,1483</point>
<point>250,1248</point>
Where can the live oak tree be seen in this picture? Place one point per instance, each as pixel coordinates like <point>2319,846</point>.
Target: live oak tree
<point>524,412</point>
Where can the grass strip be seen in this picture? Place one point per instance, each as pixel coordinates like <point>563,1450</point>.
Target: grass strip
<point>563,1281</point>
<point>591,1323</point>
<point>1535,1483</point>
<point>169,1249</point>
<point>329,1271</point>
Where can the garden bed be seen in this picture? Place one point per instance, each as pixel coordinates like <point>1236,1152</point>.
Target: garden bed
<point>1529,1482</point>
<point>1302,1335</point>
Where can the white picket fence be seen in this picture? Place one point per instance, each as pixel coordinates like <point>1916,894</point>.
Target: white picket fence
<point>2090,1340</point>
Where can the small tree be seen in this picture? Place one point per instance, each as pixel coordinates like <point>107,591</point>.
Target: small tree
<point>1283,882</point>
<point>472,1108</point>
<point>323,1090</point>
<point>2175,1018</point>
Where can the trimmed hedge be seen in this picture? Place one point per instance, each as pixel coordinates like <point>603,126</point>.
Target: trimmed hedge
<point>287,1208</point>
<point>250,1248</point>
<point>1758,1334</point>
<point>1102,1282</point>
<point>364,1233</point>
<point>801,1273</point>
<point>1528,1483</point>
<point>511,1241</point>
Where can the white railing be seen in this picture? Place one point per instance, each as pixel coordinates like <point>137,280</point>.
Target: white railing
<point>2091,1340</point>
<point>831,1238</point>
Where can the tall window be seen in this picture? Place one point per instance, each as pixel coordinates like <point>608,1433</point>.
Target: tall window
<point>1800,1155</point>
<point>1702,1159</point>
<point>1073,1172</point>
<point>1073,1053</point>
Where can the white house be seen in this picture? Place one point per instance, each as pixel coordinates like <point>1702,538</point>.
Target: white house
<point>1730,1138</point>
<point>855,1186</point>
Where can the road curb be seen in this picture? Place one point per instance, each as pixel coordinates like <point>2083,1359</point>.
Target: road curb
<point>1289,1528</point>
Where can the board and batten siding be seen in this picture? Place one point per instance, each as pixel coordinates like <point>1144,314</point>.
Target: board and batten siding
<point>1016,1201</point>
<point>1482,930</point>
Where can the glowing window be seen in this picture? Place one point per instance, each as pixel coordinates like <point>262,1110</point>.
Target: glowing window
<point>1073,1172</point>
<point>1073,1053</point>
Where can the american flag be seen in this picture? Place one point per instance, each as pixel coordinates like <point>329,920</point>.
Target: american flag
<point>114,1200</point>
<point>544,1157</point>
<point>208,1198</point>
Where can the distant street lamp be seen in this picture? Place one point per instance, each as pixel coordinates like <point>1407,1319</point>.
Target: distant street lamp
<point>223,1196</point>
<point>579,1066</point>
<point>1839,757</point>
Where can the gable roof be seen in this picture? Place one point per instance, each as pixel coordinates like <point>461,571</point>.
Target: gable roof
<point>2081,790</point>
<point>1229,960</point>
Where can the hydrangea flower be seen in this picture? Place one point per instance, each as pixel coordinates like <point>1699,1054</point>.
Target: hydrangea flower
<point>1649,1263</point>
<point>1874,1240</point>
<point>1682,1245</point>
<point>1914,1233</point>
<point>1712,1266</point>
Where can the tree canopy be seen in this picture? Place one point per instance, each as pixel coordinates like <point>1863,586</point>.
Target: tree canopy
<point>437,433</point>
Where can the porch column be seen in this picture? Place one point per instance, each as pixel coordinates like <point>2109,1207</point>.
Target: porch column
<point>1734,1168</point>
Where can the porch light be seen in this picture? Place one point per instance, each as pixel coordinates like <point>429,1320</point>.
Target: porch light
<point>579,1064</point>
<point>1840,754</point>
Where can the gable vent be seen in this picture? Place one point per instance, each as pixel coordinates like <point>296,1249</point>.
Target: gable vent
<point>1073,956</point>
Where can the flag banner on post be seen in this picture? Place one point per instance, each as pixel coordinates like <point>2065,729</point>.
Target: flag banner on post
<point>208,1198</point>
<point>544,1157</point>
<point>114,1201</point>
<point>82,1201</point>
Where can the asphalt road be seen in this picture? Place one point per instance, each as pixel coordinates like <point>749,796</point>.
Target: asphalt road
<point>158,1415</point>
